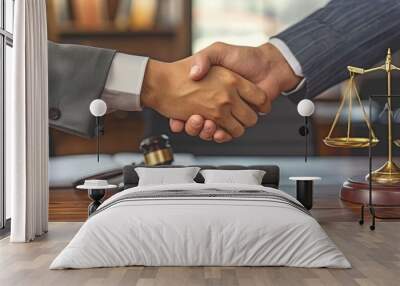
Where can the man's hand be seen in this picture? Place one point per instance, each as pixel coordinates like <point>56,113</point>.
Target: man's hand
<point>221,96</point>
<point>265,66</point>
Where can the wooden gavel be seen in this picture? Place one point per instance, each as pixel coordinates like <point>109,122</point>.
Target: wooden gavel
<point>157,150</point>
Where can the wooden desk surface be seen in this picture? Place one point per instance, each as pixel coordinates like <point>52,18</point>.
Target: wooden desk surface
<point>71,205</point>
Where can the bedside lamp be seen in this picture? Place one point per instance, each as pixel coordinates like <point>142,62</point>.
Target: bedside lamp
<point>98,108</point>
<point>305,108</point>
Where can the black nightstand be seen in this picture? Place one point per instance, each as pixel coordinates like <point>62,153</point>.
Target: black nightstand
<point>304,190</point>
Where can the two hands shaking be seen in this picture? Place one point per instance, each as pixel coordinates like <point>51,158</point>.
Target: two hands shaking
<point>220,91</point>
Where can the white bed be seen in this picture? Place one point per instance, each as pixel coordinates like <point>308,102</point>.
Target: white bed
<point>184,230</point>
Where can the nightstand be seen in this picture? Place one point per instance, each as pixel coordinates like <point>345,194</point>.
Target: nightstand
<point>304,190</point>
<point>96,190</point>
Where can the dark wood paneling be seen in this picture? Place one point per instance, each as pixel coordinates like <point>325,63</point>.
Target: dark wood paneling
<point>122,133</point>
<point>68,204</point>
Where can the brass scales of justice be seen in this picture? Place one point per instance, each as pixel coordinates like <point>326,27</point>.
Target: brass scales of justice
<point>389,173</point>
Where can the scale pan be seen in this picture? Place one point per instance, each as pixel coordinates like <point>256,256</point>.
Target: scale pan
<point>353,142</point>
<point>397,142</point>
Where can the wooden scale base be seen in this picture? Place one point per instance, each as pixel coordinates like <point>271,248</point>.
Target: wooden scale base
<point>356,190</point>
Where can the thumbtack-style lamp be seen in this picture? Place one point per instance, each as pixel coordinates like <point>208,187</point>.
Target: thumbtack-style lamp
<point>305,108</point>
<point>98,108</point>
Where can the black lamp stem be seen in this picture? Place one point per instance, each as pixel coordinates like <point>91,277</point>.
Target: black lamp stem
<point>306,131</point>
<point>98,139</point>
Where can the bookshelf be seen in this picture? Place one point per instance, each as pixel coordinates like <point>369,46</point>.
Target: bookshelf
<point>112,33</point>
<point>162,29</point>
<point>161,39</point>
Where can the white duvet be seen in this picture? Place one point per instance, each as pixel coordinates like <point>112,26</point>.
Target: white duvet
<point>200,231</point>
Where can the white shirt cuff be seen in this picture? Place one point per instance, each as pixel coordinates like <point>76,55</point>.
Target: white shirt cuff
<point>288,55</point>
<point>296,89</point>
<point>124,82</point>
<point>292,61</point>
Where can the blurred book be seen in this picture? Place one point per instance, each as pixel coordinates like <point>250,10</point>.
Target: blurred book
<point>112,6</point>
<point>123,15</point>
<point>90,14</point>
<point>62,12</point>
<point>97,15</point>
<point>143,14</point>
<point>169,12</point>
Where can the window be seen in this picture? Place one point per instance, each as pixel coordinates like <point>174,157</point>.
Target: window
<point>249,22</point>
<point>6,43</point>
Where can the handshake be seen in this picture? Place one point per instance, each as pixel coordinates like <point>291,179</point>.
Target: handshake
<point>220,91</point>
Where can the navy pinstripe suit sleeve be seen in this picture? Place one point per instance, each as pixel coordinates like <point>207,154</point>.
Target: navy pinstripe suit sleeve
<point>344,32</point>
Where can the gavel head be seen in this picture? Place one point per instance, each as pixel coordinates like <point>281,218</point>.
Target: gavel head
<point>157,150</point>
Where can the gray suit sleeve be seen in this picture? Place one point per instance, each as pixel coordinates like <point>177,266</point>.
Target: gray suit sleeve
<point>77,75</point>
<point>344,32</point>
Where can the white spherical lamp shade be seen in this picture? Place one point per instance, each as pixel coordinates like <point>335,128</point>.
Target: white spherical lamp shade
<point>98,107</point>
<point>305,108</point>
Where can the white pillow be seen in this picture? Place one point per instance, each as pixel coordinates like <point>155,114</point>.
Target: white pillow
<point>166,176</point>
<point>247,177</point>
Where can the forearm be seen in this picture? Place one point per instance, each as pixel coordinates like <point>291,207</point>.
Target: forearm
<point>154,83</point>
<point>345,32</point>
<point>280,69</point>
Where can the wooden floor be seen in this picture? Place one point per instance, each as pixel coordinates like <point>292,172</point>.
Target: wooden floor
<point>375,257</point>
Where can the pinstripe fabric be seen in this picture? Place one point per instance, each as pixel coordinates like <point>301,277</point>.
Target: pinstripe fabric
<point>344,32</point>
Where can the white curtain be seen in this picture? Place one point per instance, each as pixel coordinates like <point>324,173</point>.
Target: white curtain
<point>27,124</point>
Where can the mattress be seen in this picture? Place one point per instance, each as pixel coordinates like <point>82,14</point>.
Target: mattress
<point>201,225</point>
